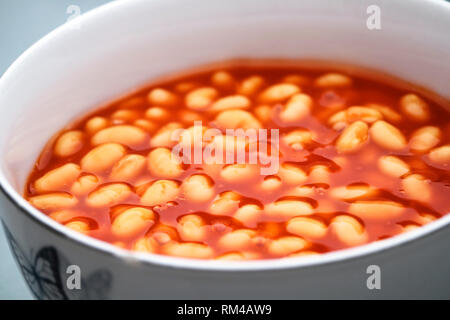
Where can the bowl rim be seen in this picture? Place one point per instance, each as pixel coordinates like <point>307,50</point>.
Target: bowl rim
<point>195,264</point>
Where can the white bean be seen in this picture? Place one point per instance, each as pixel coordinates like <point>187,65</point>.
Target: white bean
<point>425,138</point>
<point>387,136</point>
<point>130,136</point>
<point>102,157</point>
<point>415,108</point>
<point>198,188</point>
<point>58,179</point>
<point>160,192</point>
<point>162,163</point>
<point>109,195</point>
<point>69,143</point>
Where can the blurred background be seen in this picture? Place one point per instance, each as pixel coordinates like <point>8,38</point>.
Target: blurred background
<point>23,22</point>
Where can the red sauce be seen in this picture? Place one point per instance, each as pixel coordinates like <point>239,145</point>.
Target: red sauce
<point>360,167</point>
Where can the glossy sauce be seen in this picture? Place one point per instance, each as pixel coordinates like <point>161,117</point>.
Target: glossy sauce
<point>358,168</point>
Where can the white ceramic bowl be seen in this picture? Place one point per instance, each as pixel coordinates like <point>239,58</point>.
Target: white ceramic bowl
<point>124,44</point>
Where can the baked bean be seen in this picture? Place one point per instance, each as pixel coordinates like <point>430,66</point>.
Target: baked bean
<point>78,225</point>
<point>162,163</point>
<point>278,93</point>
<point>96,124</point>
<point>85,184</point>
<point>166,136</point>
<point>102,158</point>
<point>238,239</point>
<point>348,230</point>
<point>145,125</point>
<point>198,188</point>
<point>232,256</point>
<point>388,113</point>
<point>161,235</point>
<point>230,102</point>
<point>286,245</point>
<point>162,97</point>
<point>356,113</point>
<point>160,192</point>
<point>109,195</point>
<point>271,183</point>
<point>298,139</point>
<point>157,114</point>
<point>192,228</point>
<point>298,106</point>
<point>250,86</point>
<point>353,137</point>
<point>237,173</point>
<point>425,139</point>
<point>306,227</point>
<point>376,210</point>
<point>387,136</point>
<point>440,155</point>
<point>223,144</point>
<point>69,143</point>
<point>338,121</point>
<point>247,214</point>
<point>425,218</point>
<point>144,245</point>
<point>128,168</point>
<point>202,98</point>
<point>189,250</point>
<point>393,166</point>
<point>223,80</point>
<point>65,215</point>
<point>130,136</point>
<point>333,80</point>
<point>319,174</point>
<point>234,119</point>
<point>53,201</point>
<point>225,204</point>
<point>303,254</point>
<point>124,115</point>
<point>193,137</point>
<point>297,79</point>
<point>120,244</point>
<point>416,187</point>
<point>58,179</point>
<point>301,191</point>
<point>289,208</point>
<point>132,221</point>
<point>409,227</point>
<point>365,114</point>
<point>292,175</point>
<point>415,108</point>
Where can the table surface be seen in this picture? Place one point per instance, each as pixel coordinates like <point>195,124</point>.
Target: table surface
<point>23,22</point>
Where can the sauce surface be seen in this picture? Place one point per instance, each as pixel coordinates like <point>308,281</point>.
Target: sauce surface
<point>356,161</point>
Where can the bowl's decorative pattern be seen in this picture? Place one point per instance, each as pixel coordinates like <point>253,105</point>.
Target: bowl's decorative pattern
<point>45,274</point>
